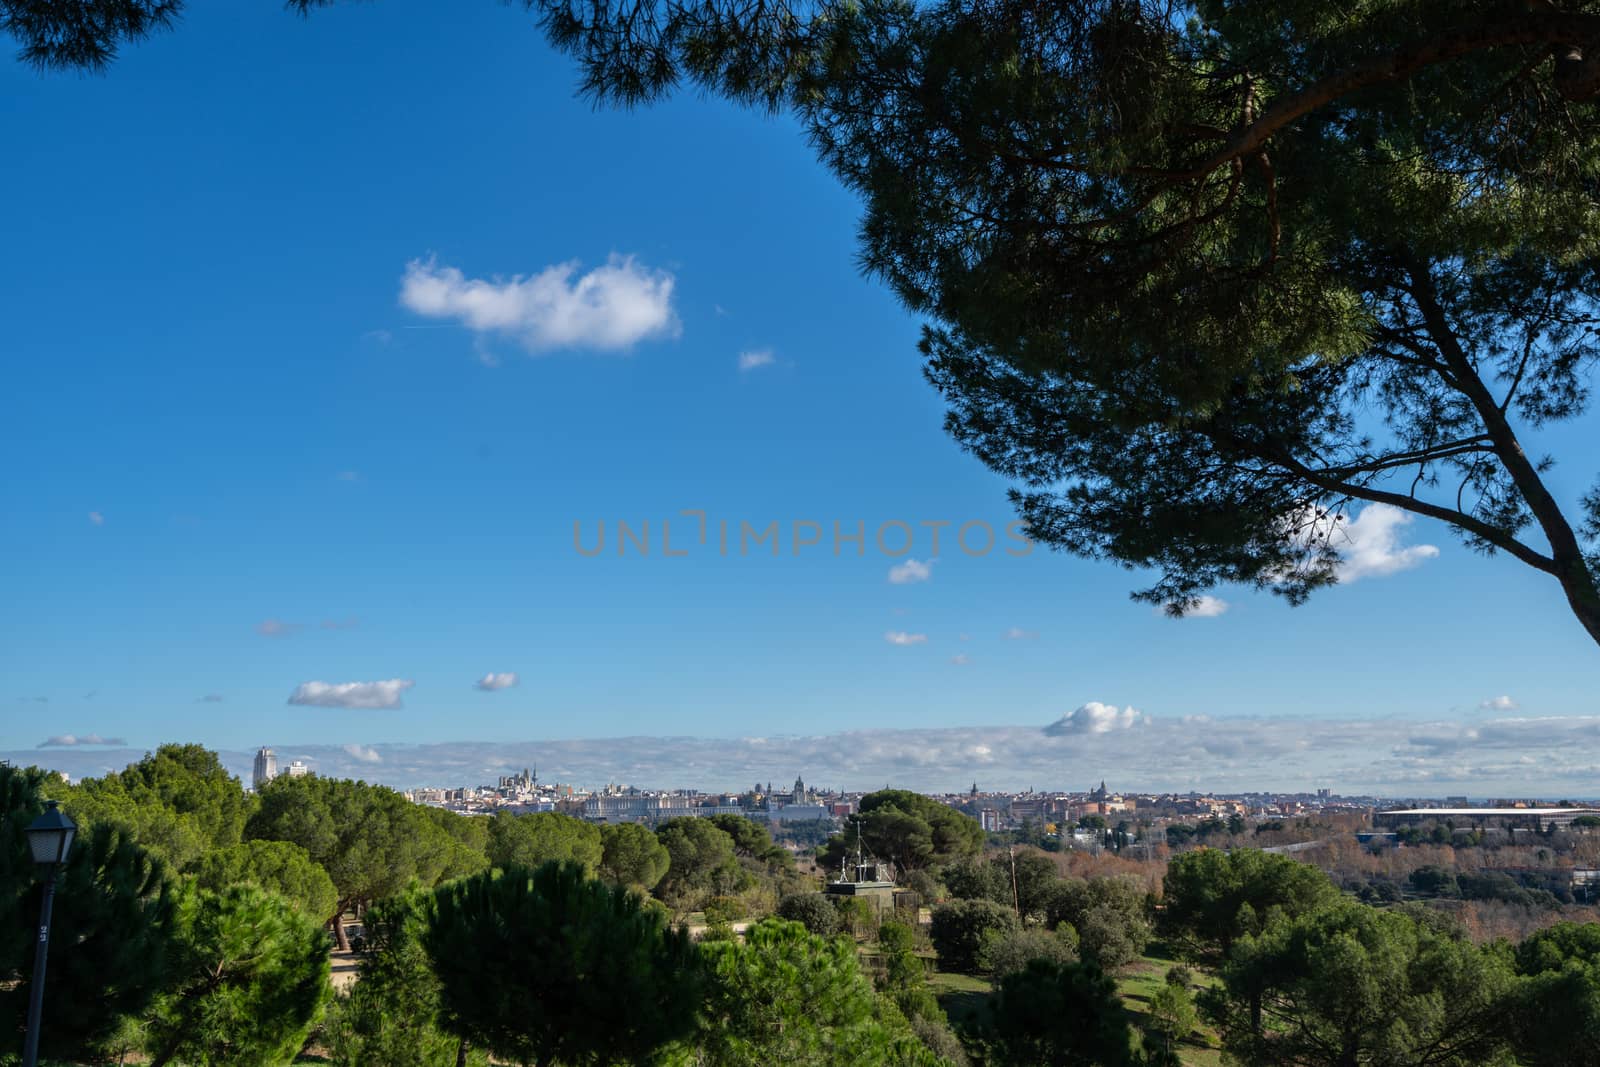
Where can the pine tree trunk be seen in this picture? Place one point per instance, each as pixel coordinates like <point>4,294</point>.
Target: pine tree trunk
<point>339,936</point>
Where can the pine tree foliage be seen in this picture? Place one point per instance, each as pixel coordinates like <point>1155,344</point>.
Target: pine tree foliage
<point>1204,277</point>
<point>247,979</point>
<point>551,966</point>
<point>111,925</point>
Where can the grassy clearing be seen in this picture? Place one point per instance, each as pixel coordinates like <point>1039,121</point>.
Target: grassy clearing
<point>964,998</point>
<point>1140,981</point>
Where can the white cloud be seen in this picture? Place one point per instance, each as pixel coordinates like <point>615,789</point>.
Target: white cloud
<point>755,358</point>
<point>362,753</point>
<point>97,518</point>
<point>212,698</point>
<point>385,694</point>
<point>278,628</point>
<point>900,637</point>
<point>73,740</point>
<point>961,659</point>
<point>1204,607</point>
<point>1017,633</point>
<point>1499,703</point>
<point>1093,718</point>
<point>1372,544</point>
<point>911,571</point>
<point>613,306</point>
<point>348,476</point>
<point>1368,545</point>
<point>491,682</point>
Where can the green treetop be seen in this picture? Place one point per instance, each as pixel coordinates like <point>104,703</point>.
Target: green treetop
<point>1355,984</point>
<point>551,966</point>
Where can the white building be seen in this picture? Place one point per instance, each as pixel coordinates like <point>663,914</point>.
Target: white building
<point>266,768</point>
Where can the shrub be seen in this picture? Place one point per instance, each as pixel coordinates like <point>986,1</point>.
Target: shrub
<point>959,928</point>
<point>926,886</point>
<point>1105,938</point>
<point>857,916</point>
<point>1172,1012</point>
<point>814,911</point>
<point>1007,952</point>
<point>972,879</point>
<point>723,910</point>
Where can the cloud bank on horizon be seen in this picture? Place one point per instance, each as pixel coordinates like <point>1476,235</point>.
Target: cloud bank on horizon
<point>74,740</point>
<point>1551,756</point>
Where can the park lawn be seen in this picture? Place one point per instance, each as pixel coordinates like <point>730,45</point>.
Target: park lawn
<point>964,998</point>
<point>1140,981</point>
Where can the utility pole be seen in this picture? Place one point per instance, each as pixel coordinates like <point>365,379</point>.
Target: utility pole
<point>1016,898</point>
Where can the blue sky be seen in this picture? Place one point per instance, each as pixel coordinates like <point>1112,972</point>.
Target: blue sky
<point>238,464</point>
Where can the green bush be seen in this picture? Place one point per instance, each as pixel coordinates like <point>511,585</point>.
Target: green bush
<point>1009,951</point>
<point>814,911</point>
<point>1105,937</point>
<point>959,929</point>
<point>723,910</point>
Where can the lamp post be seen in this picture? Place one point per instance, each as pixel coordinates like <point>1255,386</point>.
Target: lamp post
<point>50,838</point>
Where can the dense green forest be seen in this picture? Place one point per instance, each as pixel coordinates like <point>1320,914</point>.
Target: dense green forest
<point>195,924</point>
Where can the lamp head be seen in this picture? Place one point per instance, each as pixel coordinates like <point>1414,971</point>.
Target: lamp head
<point>50,836</point>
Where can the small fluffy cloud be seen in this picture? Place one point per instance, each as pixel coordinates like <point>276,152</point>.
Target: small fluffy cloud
<point>1017,633</point>
<point>613,306</point>
<point>1372,545</point>
<point>1499,703</point>
<point>1369,545</point>
<point>74,740</point>
<point>491,682</point>
<point>348,476</point>
<point>1093,718</point>
<point>1204,607</point>
<point>755,358</point>
<point>900,637</point>
<point>278,628</point>
<point>365,695</point>
<point>97,518</point>
<point>212,698</point>
<point>362,753</point>
<point>961,659</point>
<point>911,571</point>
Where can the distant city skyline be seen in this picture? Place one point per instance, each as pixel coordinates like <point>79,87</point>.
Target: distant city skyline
<point>1133,751</point>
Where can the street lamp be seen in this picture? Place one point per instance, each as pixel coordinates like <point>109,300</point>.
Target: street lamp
<point>50,838</point>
